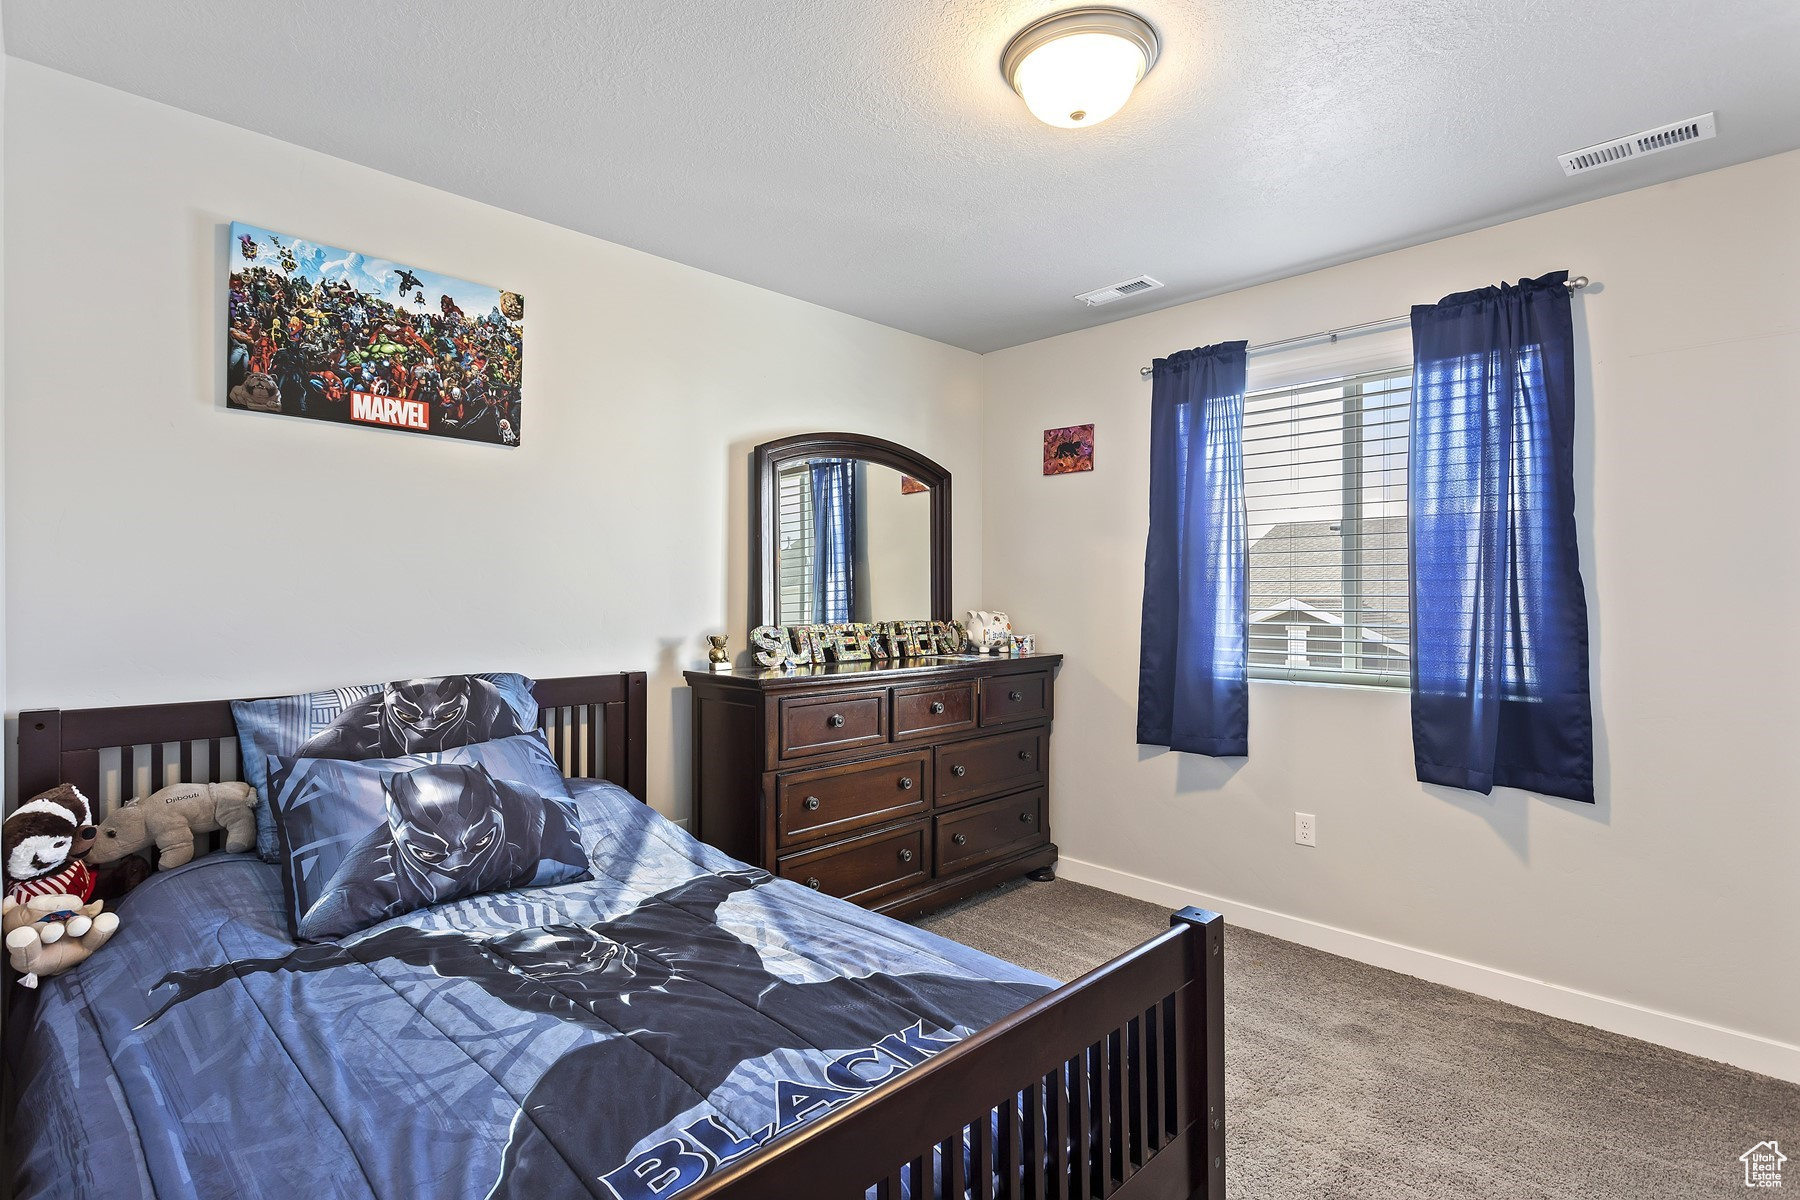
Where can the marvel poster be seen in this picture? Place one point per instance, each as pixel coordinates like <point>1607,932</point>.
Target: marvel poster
<point>333,335</point>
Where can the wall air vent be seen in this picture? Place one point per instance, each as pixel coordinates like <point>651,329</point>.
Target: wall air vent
<point>1651,141</point>
<point>1118,291</point>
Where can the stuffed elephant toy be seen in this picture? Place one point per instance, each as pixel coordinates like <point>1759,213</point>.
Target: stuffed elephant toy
<point>169,819</point>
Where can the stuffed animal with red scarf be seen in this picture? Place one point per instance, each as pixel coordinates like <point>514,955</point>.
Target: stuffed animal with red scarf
<point>50,924</point>
<point>46,841</point>
<point>45,844</point>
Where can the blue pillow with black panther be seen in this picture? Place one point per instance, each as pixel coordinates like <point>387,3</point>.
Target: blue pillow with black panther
<point>365,841</point>
<point>375,720</point>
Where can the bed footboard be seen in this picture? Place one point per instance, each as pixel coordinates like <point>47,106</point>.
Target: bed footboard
<point>1111,1086</point>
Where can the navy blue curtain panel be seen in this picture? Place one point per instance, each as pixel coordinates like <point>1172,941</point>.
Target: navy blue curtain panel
<point>1499,645</point>
<point>834,540</point>
<point>1193,691</point>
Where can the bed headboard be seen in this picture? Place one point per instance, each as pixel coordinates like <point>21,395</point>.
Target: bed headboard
<point>594,723</point>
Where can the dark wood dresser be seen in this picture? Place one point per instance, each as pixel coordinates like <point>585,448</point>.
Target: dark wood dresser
<point>898,787</point>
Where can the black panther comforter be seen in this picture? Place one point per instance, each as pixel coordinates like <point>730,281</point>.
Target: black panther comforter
<point>620,1038</point>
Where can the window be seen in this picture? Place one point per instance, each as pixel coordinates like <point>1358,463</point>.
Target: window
<point>816,538</point>
<point>794,541</point>
<point>1325,494</point>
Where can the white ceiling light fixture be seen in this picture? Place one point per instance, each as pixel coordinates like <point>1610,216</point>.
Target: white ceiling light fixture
<point>1078,67</point>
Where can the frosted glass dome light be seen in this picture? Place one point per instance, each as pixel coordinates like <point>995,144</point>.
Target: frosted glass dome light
<point>1079,67</point>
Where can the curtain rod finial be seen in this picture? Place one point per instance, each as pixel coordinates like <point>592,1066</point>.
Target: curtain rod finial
<point>1577,283</point>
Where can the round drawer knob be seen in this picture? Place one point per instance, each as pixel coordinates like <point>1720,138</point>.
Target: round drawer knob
<point>906,856</point>
<point>906,783</point>
<point>959,770</point>
<point>1025,817</point>
<point>812,881</point>
<point>937,708</point>
<point>811,803</point>
<point>1015,697</point>
<point>836,721</point>
<point>1025,754</point>
<point>961,839</point>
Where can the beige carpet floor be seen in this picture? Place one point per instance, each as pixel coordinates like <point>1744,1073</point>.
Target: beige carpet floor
<point>1345,1080</point>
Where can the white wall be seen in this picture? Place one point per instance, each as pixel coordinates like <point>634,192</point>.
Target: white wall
<point>164,548</point>
<point>897,545</point>
<point>1679,892</point>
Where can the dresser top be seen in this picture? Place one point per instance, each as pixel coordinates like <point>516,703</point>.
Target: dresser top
<point>887,672</point>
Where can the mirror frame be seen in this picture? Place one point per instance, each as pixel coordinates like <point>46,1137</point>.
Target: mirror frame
<point>764,510</point>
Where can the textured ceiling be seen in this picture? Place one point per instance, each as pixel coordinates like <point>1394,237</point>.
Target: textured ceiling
<point>866,154</point>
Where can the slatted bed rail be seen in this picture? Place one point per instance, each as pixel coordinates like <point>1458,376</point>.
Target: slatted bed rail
<point>113,754</point>
<point>597,731</point>
<point>1112,1086</point>
<point>595,725</point>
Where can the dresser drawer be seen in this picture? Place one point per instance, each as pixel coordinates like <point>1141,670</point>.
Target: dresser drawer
<point>828,800</point>
<point>864,869</point>
<point>822,726</point>
<point>1009,698</point>
<point>780,784</point>
<point>989,830</point>
<point>929,711</point>
<point>984,766</point>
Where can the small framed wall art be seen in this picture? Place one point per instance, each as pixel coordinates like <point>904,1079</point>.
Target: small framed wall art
<point>1068,449</point>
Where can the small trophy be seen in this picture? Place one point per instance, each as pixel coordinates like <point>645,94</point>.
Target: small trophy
<point>716,657</point>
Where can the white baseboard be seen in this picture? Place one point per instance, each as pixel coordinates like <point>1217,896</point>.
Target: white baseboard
<point>1762,1055</point>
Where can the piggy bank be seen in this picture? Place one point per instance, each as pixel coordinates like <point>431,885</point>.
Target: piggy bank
<point>989,632</point>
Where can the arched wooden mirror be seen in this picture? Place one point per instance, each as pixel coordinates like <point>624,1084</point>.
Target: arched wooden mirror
<point>848,527</point>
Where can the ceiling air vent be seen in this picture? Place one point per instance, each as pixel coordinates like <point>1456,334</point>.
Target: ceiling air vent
<point>1651,141</point>
<point>1118,291</point>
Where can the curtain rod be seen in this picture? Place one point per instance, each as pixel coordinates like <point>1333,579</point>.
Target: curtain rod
<point>1574,285</point>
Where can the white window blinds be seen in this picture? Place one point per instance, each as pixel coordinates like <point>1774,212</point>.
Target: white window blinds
<point>795,552</point>
<point>1325,494</point>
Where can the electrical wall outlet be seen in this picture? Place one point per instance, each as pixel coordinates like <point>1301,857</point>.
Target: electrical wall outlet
<point>1306,829</point>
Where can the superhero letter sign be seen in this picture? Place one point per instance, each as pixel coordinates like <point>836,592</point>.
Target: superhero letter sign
<point>334,335</point>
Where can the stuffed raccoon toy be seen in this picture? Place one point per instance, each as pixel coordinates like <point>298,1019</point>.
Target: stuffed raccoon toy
<point>45,842</point>
<point>48,913</point>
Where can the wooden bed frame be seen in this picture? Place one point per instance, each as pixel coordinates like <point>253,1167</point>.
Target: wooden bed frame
<point>1113,1085</point>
